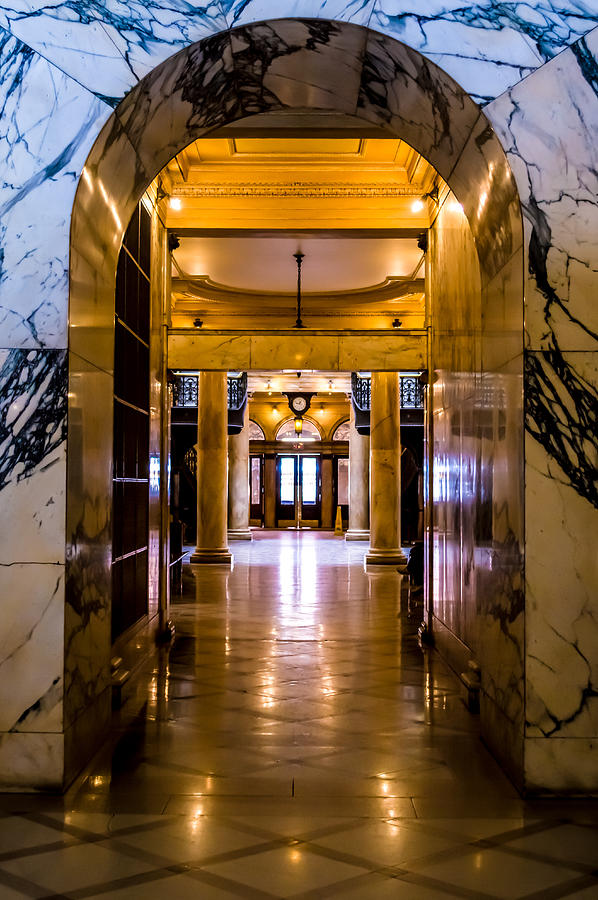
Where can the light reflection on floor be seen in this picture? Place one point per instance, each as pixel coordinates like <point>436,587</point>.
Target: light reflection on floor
<point>295,742</point>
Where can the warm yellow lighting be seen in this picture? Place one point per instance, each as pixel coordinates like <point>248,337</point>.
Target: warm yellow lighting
<point>417,206</point>
<point>175,203</point>
<point>298,425</point>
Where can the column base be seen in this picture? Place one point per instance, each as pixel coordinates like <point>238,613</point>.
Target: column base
<point>211,557</point>
<point>357,534</point>
<point>394,558</point>
<point>240,534</point>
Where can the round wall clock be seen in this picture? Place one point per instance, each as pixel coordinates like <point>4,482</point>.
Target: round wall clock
<point>299,404</point>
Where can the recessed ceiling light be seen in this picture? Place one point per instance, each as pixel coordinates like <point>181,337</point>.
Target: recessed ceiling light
<point>417,205</point>
<point>175,203</point>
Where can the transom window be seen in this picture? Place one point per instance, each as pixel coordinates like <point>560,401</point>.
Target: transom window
<point>287,431</point>
<point>256,432</point>
<point>341,432</point>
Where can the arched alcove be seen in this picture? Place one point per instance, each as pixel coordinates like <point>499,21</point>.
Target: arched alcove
<point>476,345</point>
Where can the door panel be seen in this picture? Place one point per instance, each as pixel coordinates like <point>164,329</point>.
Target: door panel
<point>286,490</point>
<point>341,487</point>
<point>256,490</point>
<point>311,491</point>
<point>298,491</point>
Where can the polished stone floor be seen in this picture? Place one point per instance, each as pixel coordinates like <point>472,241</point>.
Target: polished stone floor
<point>295,742</point>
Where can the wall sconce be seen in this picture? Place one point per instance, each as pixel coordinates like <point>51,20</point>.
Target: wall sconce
<point>298,425</point>
<point>396,323</point>
<point>197,323</point>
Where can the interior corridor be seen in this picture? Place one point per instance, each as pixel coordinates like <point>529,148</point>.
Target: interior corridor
<point>295,742</point>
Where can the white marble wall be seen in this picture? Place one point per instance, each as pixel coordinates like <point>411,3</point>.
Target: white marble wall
<point>548,125</point>
<point>485,47</point>
<point>63,67</point>
<point>32,500</point>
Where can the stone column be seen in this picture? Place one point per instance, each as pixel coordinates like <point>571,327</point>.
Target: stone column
<point>385,472</point>
<point>212,464</point>
<point>359,484</point>
<point>238,483</point>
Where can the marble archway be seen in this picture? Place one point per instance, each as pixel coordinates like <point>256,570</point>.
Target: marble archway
<point>308,64</point>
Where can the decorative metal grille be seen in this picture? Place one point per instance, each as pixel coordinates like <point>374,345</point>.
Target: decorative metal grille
<point>191,460</point>
<point>184,391</point>
<point>412,395</point>
<point>362,391</point>
<point>237,391</point>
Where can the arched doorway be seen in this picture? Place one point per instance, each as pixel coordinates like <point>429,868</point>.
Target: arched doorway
<point>475,323</point>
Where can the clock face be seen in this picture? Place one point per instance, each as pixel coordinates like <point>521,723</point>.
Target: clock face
<point>299,404</point>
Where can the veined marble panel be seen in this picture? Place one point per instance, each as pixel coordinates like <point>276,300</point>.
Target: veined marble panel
<point>483,184</point>
<point>561,765</point>
<point>175,103</point>
<point>31,761</point>
<point>561,413</point>
<point>290,351</point>
<point>402,91</point>
<point>548,126</point>
<point>209,351</point>
<point>478,467</point>
<point>243,12</point>
<point>108,47</point>
<point>103,207</point>
<point>454,293</point>
<point>382,352</point>
<point>561,558</point>
<point>31,647</point>
<point>89,548</point>
<point>486,47</point>
<point>33,401</point>
<point>47,126</point>
<point>298,63</point>
<point>502,318</point>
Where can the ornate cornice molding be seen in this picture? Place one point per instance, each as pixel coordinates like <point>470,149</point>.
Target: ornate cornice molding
<point>202,288</point>
<point>337,190</point>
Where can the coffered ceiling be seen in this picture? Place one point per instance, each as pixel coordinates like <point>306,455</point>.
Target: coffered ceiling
<point>243,201</point>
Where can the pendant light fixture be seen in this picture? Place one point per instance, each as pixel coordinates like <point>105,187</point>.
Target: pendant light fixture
<point>299,256</point>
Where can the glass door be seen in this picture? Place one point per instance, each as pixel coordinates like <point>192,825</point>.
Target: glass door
<point>310,491</point>
<point>287,470</point>
<point>298,491</point>
<point>256,490</point>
